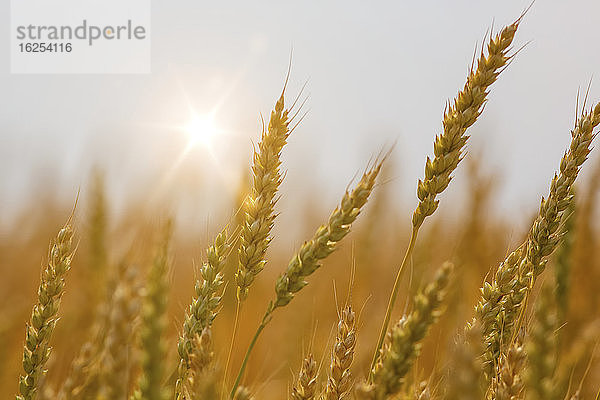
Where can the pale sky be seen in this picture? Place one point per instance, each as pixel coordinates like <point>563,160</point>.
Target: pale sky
<point>378,73</point>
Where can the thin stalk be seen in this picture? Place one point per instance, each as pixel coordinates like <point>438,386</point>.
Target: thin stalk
<point>233,335</point>
<point>392,301</point>
<point>263,324</point>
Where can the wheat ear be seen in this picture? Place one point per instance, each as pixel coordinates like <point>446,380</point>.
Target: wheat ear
<point>306,386</point>
<point>508,384</point>
<point>489,306</point>
<point>448,147</point>
<point>306,260</point>
<point>260,204</point>
<point>200,359</point>
<point>36,350</point>
<point>204,307</point>
<point>502,300</point>
<point>405,337</point>
<point>340,378</point>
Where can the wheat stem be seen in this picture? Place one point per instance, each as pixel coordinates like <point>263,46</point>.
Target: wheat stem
<point>448,147</point>
<point>392,301</point>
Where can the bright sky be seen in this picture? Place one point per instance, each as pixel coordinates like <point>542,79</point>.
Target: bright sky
<point>378,73</point>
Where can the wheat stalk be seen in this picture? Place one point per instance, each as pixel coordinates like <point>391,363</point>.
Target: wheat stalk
<point>259,207</point>
<point>204,307</point>
<point>405,337</point>
<point>545,234</point>
<point>502,300</point>
<point>306,261</point>
<point>340,377</point>
<point>448,147</point>
<point>36,350</point>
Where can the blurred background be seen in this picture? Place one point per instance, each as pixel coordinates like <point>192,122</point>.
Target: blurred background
<point>376,74</point>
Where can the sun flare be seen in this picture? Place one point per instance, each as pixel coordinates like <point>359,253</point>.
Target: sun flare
<point>201,129</point>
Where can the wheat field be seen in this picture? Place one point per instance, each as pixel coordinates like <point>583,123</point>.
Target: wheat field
<point>376,301</point>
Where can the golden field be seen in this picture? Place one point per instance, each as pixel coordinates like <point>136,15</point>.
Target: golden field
<point>483,310</point>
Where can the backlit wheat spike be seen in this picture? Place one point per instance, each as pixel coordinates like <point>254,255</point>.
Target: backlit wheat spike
<point>461,114</point>
<point>205,304</point>
<point>404,346</point>
<point>200,360</point>
<point>543,238</point>
<point>340,378</point>
<point>36,350</point>
<point>306,261</point>
<point>259,208</point>
<point>508,384</point>
<point>489,307</point>
<point>448,147</point>
<point>464,381</point>
<point>306,386</point>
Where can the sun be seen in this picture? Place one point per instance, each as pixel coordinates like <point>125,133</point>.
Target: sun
<point>201,129</point>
